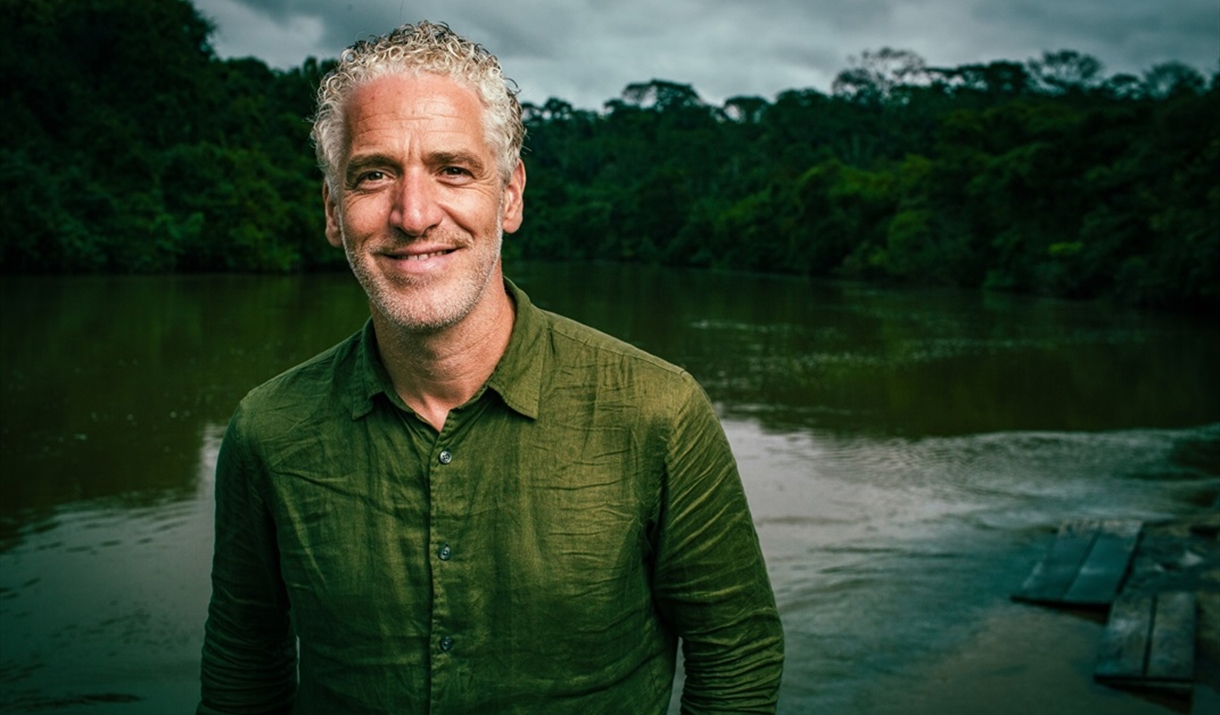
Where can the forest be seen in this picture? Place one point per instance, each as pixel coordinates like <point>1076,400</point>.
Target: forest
<point>129,146</point>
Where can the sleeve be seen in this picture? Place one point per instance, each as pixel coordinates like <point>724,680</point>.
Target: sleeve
<point>710,580</point>
<point>249,651</point>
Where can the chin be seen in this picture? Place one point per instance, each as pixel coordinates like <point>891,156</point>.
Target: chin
<point>417,311</point>
<point>424,309</point>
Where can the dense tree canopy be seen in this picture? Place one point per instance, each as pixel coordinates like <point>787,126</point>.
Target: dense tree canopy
<point>1042,176</point>
<point>129,146</point>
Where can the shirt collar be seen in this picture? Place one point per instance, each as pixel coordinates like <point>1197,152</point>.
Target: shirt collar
<point>517,378</point>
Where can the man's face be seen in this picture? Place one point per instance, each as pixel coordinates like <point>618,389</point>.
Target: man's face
<point>423,208</point>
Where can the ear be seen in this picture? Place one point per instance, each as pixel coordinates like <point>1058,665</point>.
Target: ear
<point>334,231</point>
<point>514,199</point>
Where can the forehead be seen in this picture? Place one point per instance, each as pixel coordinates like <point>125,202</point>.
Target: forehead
<point>413,107</point>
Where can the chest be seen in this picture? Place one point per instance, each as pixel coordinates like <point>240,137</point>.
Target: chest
<point>501,517</point>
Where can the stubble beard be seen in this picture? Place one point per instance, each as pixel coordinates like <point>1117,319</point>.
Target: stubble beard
<point>428,306</point>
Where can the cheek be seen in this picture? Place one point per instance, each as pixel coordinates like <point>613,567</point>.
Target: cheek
<point>480,213</point>
<point>363,214</point>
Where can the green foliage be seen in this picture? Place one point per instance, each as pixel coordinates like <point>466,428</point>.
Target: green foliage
<point>1039,177</point>
<point>129,146</point>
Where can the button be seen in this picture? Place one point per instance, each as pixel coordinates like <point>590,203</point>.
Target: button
<point>445,552</point>
<point>445,456</point>
<point>446,644</point>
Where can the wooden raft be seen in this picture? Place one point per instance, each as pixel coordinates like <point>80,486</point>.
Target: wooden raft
<point>1085,566</point>
<point>1149,642</point>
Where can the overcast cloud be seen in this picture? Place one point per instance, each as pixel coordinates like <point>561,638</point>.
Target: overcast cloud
<point>587,51</point>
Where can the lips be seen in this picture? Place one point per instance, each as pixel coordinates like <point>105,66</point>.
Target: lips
<point>416,262</point>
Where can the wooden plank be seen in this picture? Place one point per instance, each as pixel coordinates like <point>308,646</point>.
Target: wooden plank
<point>1171,652</point>
<point>1149,642</point>
<point>1106,565</point>
<point>1053,575</point>
<point>1124,645</point>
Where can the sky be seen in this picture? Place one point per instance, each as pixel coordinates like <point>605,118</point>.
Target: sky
<point>587,51</point>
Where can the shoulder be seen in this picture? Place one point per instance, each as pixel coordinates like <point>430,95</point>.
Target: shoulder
<point>580,344</point>
<point>312,391</point>
<point>612,369</point>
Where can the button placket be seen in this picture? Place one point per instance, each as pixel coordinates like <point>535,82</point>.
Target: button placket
<point>444,552</point>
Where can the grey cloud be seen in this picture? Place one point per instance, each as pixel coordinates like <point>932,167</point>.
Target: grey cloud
<point>524,28</point>
<point>586,51</point>
<point>1125,34</point>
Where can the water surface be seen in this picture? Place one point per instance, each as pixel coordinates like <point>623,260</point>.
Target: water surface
<point>907,455</point>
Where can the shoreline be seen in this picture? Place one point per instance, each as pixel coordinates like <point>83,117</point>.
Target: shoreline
<point>1022,658</point>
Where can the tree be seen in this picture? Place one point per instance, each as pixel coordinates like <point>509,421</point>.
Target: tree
<point>876,77</point>
<point>1172,79</point>
<point>661,95</point>
<point>996,80</point>
<point>745,110</point>
<point>1066,72</point>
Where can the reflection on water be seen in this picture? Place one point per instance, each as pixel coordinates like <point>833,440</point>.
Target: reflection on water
<point>101,601</point>
<point>907,455</point>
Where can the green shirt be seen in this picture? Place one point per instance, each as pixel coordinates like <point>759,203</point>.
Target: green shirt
<point>542,554</point>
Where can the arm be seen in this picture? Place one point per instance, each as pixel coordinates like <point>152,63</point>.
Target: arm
<point>710,581</point>
<point>249,652</point>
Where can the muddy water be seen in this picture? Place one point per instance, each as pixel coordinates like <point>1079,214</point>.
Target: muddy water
<point>907,454</point>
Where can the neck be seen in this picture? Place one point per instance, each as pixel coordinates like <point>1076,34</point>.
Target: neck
<point>436,371</point>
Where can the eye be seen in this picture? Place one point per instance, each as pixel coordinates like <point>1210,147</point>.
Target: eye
<point>456,175</point>
<point>365,180</point>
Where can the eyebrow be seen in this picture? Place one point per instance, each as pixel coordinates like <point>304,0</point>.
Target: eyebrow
<point>359,164</point>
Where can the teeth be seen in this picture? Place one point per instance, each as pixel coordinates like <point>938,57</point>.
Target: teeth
<point>426,256</point>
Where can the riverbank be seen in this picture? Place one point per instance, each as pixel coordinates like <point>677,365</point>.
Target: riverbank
<point>1026,658</point>
<point>1184,555</point>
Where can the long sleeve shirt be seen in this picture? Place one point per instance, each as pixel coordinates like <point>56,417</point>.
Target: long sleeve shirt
<point>543,553</point>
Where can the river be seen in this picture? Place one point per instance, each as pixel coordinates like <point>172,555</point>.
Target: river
<point>907,454</point>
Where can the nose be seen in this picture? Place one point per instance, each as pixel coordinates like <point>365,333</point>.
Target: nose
<point>415,210</point>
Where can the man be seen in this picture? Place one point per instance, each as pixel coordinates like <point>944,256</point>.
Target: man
<point>472,505</point>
